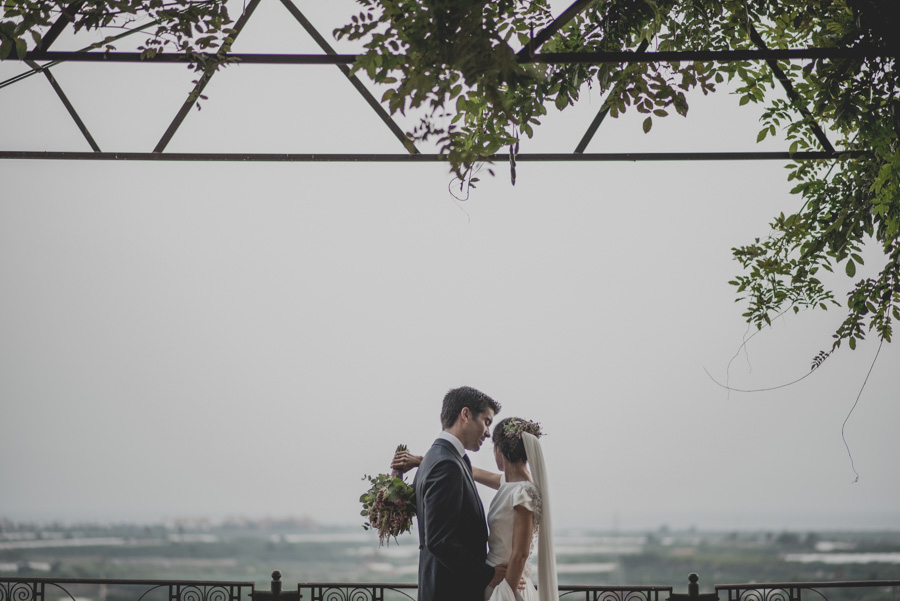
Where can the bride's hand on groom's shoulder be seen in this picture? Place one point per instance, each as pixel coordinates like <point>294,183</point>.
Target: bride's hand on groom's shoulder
<point>404,461</point>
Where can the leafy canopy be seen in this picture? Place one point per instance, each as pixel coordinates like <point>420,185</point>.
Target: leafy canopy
<point>190,27</point>
<point>456,62</point>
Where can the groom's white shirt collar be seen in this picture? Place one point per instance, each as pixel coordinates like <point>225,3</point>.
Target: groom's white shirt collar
<point>454,441</point>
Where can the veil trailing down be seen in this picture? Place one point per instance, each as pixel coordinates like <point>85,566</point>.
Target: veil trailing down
<point>548,588</point>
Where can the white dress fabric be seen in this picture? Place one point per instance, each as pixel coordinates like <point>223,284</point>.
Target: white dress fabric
<point>501,516</point>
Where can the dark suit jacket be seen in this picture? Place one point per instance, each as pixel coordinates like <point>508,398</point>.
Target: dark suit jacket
<point>452,529</point>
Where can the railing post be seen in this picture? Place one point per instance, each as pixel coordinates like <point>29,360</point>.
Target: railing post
<point>693,593</point>
<point>276,583</point>
<point>275,593</point>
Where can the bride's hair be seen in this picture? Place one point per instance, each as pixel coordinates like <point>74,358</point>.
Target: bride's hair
<point>507,436</point>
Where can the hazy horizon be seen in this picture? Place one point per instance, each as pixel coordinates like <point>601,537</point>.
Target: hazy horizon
<point>676,521</point>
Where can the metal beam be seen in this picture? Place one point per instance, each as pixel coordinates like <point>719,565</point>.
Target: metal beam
<point>94,46</point>
<point>65,100</point>
<point>548,32</point>
<point>363,90</point>
<point>68,15</point>
<point>727,56</point>
<point>426,158</point>
<point>203,80</point>
<point>604,110</point>
<point>550,58</point>
<point>795,99</point>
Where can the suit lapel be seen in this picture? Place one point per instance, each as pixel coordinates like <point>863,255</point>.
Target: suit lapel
<point>469,478</point>
<point>472,488</point>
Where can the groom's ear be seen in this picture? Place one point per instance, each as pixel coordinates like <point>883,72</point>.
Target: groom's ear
<point>466,414</point>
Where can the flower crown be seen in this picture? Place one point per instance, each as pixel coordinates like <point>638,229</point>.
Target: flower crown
<point>514,428</point>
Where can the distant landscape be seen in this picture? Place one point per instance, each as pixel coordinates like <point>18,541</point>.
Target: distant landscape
<point>304,551</point>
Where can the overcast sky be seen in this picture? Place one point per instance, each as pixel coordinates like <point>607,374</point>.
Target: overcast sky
<point>188,340</point>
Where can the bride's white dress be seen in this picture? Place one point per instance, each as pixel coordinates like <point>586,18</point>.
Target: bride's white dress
<point>500,528</point>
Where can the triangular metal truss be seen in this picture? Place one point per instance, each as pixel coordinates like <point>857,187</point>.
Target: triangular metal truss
<point>44,60</point>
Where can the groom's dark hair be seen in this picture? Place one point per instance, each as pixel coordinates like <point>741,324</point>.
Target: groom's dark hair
<point>465,396</point>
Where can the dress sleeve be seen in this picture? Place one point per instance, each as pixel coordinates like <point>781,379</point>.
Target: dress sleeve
<point>528,497</point>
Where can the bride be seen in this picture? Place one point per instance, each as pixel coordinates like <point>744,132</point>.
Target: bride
<point>519,514</point>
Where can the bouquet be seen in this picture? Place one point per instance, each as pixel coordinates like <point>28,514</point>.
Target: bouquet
<point>389,505</point>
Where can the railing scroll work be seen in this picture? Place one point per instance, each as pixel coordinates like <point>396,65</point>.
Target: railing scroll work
<point>859,590</point>
<point>76,589</point>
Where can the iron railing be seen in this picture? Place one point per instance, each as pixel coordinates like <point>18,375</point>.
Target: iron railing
<point>336,591</point>
<point>810,591</point>
<point>79,589</point>
<point>76,589</point>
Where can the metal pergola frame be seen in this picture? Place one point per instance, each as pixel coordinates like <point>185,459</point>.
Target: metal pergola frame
<point>42,61</point>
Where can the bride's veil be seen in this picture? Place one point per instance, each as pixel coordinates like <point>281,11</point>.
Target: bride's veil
<point>547,585</point>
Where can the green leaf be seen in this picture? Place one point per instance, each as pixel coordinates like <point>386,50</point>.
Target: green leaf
<point>762,135</point>
<point>851,268</point>
<point>648,123</point>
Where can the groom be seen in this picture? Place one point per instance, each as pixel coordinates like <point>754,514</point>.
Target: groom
<point>452,528</point>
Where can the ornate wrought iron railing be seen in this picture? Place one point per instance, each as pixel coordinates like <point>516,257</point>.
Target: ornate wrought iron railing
<point>82,589</point>
<point>348,591</point>
<point>887,590</point>
<point>78,589</point>
<point>614,593</point>
<point>338,591</point>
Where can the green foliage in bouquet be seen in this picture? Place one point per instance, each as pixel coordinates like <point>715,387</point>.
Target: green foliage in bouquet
<point>389,505</point>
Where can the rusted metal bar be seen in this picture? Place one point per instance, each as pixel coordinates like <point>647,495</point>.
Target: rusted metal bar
<point>203,80</point>
<point>548,32</point>
<point>57,28</point>
<point>674,56</point>
<point>171,57</point>
<point>795,99</point>
<point>604,110</point>
<point>423,158</point>
<point>363,90</point>
<point>550,58</point>
<point>65,100</point>
<point>124,34</point>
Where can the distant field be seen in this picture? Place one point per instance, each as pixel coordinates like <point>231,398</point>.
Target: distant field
<point>305,552</point>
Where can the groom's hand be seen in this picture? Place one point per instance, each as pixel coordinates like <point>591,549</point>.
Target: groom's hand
<point>405,461</point>
<point>499,575</point>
